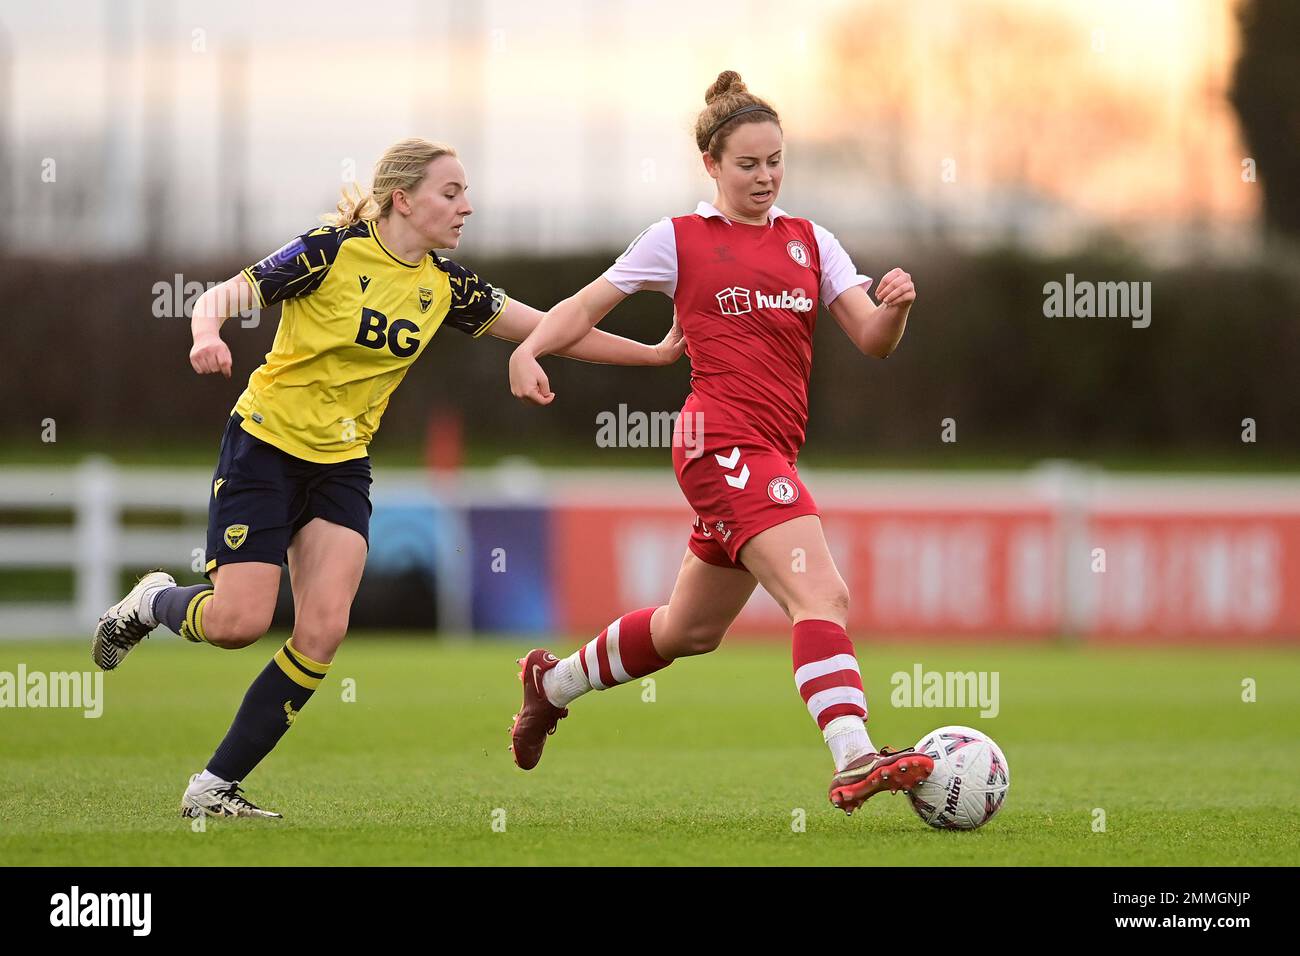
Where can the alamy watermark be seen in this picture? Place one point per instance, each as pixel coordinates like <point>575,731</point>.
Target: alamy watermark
<point>71,689</point>
<point>922,688</point>
<point>1083,299</point>
<point>74,908</point>
<point>637,429</point>
<point>176,299</point>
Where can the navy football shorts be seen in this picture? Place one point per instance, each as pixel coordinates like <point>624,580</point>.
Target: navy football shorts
<point>261,496</point>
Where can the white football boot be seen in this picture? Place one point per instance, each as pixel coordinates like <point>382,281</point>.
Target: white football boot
<point>220,798</point>
<point>128,622</point>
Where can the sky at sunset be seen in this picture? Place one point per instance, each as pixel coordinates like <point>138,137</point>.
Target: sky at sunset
<point>978,120</point>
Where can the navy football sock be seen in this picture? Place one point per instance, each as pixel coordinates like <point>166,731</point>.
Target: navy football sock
<point>181,609</point>
<point>268,710</point>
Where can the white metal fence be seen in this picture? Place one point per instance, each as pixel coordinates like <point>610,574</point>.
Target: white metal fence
<point>167,511</point>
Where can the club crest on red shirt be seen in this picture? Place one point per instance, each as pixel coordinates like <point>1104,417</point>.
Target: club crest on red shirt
<point>783,491</point>
<point>798,252</point>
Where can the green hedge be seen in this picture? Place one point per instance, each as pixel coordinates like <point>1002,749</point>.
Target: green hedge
<point>83,347</point>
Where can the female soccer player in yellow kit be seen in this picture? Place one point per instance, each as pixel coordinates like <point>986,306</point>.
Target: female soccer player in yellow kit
<point>362,298</point>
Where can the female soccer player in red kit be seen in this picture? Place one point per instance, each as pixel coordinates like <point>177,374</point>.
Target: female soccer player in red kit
<point>746,279</point>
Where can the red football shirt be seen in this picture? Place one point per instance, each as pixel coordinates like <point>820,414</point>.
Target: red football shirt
<point>747,299</point>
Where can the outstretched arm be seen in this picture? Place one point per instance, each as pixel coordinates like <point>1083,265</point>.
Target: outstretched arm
<point>876,329</point>
<point>567,324</point>
<point>518,321</point>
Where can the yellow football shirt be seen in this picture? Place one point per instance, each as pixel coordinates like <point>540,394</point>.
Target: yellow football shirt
<point>355,317</point>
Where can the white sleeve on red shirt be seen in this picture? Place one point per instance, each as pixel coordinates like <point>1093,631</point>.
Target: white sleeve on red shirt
<point>650,262</point>
<point>838,271</point>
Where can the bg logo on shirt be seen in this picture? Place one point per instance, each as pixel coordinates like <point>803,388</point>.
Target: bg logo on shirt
<point>736,301</point>
<point>376,332</point>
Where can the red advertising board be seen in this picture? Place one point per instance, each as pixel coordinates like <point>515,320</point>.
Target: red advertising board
<point>1020,573</point>
<point>1229,576</point>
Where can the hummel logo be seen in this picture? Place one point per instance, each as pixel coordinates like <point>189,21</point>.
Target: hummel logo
<point>365,281</point>
<point>736,481</point>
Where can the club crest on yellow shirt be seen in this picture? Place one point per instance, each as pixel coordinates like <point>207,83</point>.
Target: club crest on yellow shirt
<point>426,299</point>
<point>236,535</point>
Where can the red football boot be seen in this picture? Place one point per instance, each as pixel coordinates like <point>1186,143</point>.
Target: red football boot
<point>537,717</point>
<point>866,776</point>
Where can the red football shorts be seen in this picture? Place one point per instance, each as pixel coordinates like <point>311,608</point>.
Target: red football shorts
<point>737,491</point>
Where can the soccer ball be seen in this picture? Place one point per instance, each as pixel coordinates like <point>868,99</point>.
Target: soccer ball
<point>969,782</point>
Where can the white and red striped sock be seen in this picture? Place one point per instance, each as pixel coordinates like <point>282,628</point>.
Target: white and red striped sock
<point>620,653</point>
<point>826,673</point>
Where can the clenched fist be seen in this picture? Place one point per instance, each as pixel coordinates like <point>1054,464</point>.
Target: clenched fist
<point>210,354</point>
<point>896,288</point>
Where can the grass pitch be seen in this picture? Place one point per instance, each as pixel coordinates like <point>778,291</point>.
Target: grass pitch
<point>715,770</point>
